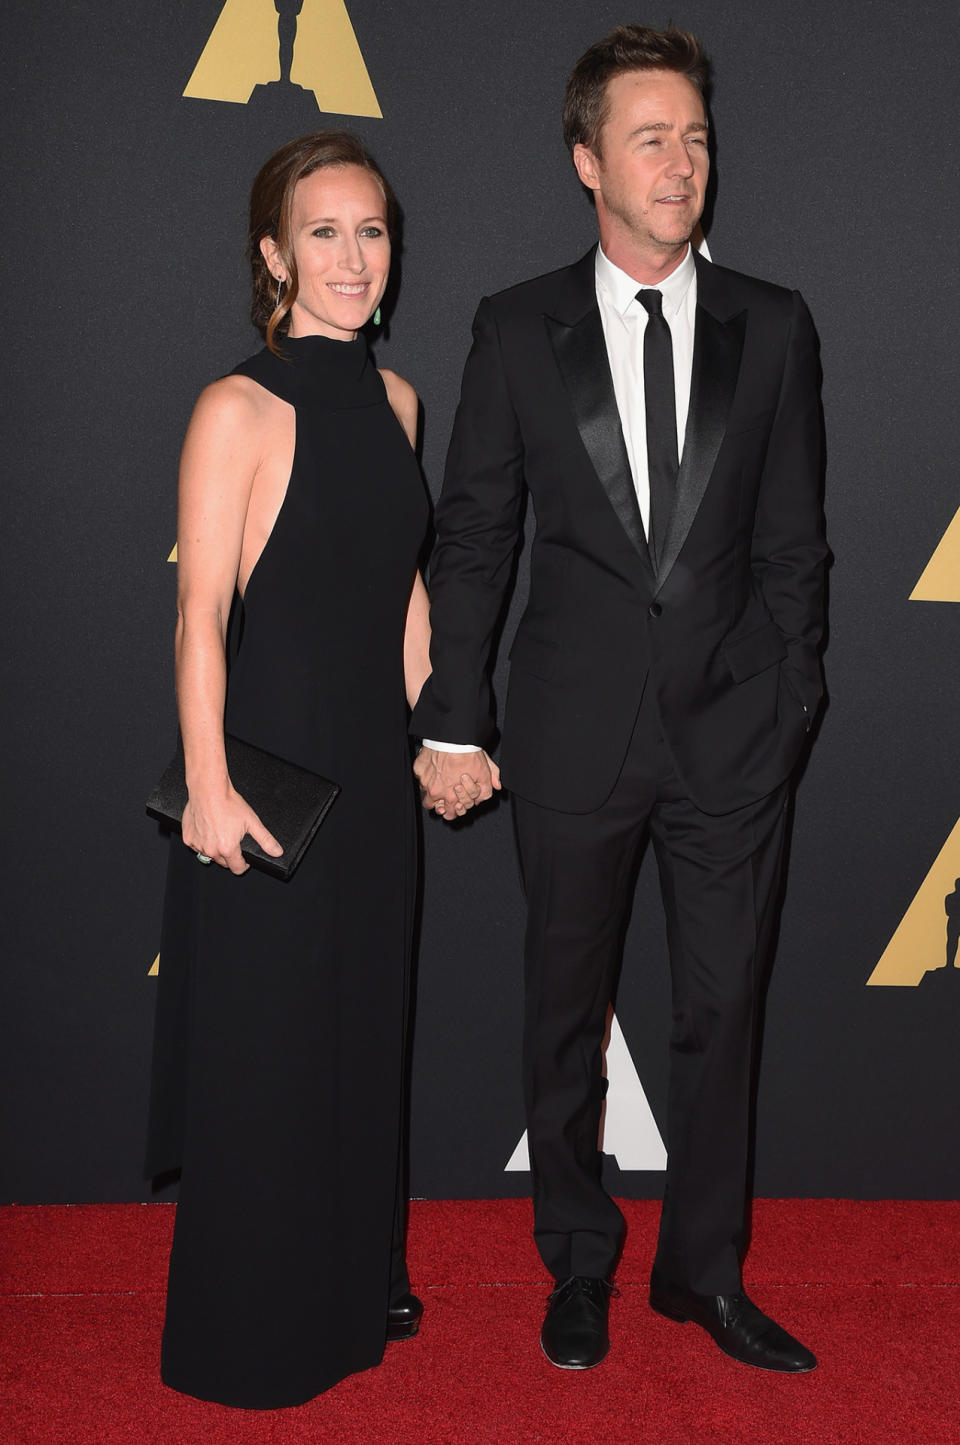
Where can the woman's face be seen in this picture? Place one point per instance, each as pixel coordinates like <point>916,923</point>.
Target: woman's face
<point>342,251</point>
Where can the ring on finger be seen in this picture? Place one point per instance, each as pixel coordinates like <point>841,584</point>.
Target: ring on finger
<point>202,858</point>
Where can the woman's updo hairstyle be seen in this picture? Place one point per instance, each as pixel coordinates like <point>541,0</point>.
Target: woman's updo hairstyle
<point>271,205</point>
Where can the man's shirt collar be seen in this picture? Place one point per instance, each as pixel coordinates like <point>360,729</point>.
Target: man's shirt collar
<point>621,289</point>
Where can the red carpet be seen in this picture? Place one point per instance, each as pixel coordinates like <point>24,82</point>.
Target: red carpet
<point>873,1289</point>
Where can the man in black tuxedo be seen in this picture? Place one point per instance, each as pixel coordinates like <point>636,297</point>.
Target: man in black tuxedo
<point>664,414</point>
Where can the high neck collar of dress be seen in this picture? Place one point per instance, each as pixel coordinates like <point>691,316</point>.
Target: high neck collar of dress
<point>324,353</point>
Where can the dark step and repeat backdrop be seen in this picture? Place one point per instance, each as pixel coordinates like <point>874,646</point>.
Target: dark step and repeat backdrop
<point>132,133</point>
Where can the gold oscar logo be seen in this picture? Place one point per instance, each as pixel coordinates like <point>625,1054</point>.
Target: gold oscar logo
<point>926,939</point>
<point>940,579</point>
<point>924,947</point>
<point>307,43</point>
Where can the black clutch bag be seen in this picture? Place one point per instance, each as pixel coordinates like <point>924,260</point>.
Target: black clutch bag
<point>289,800</point>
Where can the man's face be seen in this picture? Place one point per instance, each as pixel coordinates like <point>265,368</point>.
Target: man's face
<point>650,178</point>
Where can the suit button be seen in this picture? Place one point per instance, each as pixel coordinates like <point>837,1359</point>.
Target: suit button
<point>655,609</point>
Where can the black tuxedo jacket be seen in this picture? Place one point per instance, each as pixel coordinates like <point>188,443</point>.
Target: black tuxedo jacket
<point>726,631</point>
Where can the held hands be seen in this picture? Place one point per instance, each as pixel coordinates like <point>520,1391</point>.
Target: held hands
<point>214,827</point>
<point>451,783</point>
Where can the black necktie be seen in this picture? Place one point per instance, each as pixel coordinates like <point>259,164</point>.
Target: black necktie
<point>660,399</point>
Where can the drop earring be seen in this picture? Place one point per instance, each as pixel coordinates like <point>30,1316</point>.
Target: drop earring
<point>376,317</point>
<point>279,284</point>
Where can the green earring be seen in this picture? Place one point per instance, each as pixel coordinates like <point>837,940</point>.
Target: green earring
<point>376,317</point>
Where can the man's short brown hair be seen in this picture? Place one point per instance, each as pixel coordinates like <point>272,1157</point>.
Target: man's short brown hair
<point>628,48</point>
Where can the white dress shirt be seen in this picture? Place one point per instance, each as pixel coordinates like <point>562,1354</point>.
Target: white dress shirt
<point>624,321</point>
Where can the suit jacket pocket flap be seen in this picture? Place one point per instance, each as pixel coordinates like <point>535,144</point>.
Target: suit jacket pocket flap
<point>749,655</point>
<point>534,654</point>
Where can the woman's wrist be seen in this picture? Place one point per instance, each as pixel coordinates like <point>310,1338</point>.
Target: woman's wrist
<point>208,781</point>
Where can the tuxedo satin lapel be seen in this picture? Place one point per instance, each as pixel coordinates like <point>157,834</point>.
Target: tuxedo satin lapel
<point>717,348</point>
<point>581,354</point>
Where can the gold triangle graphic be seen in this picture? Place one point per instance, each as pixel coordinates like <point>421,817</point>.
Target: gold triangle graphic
<point>940,580</point>
<point>327,60</point>
<point>154,968</point>
<point>173,554</point>
<point>242,52</point>
<point>920,943</point>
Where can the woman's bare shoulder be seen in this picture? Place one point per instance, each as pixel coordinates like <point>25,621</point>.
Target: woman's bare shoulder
<point>232,401</point>
<point>404,401</point>
<point>399,392</point>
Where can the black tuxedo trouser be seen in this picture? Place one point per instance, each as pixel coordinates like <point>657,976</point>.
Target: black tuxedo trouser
<point>718,878</point>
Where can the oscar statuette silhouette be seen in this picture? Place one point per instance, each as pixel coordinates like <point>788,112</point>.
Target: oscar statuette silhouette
<point>282,99</point>
<point>946,975</point>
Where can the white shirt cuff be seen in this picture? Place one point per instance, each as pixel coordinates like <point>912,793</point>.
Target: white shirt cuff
<point>450,747</point>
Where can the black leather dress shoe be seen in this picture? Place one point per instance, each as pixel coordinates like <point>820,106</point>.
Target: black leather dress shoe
<point>574,1334</point>
<point>740,1329</point>
<point>403,1318</point>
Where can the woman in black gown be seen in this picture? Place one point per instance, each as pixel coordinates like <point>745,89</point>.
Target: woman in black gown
<point>280,1030</point>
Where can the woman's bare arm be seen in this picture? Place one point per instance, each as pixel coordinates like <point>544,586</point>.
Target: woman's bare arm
<point>416,635</point>
<point>220,460</point>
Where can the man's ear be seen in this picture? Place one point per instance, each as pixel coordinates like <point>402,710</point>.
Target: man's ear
<point>270,252</point>
<point>588,167</point>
